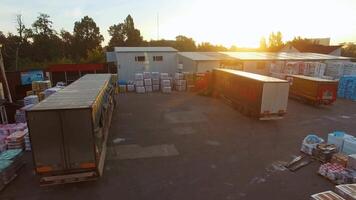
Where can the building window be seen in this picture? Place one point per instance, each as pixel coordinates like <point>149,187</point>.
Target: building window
<point>140,58</point>
<point>157,58</point>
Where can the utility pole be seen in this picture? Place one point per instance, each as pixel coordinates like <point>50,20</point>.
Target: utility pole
<point>157,26</point>
<point>3,74</point>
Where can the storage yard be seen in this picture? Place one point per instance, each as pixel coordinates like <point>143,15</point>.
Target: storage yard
<point>222,154</point>
<point>219,134</point>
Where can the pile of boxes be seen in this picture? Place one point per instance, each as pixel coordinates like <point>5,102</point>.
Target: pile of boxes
<point>337,69</point>
<point>10,162</point>
<point>32,99</point>
<point>347,87</point>
<point>180,84</point>
<point>139,83</point>
<point>166,83</point>
<point>338,156</point>
<point>20,115</point>
<point>12,136</point>
<point>147,81</point>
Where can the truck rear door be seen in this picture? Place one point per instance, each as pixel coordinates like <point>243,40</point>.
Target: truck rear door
<point>274,98</point>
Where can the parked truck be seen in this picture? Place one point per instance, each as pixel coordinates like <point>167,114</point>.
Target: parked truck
<point>312,90</point>
<point>252,94</point>
<point>69,130</point>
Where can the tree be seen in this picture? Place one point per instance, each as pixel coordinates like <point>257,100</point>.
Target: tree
<point>275,42</point>
<point>125,34</point>
<point>133,35</point>
<point>206,46</point>
<point>117,34</point>
<point>263,44</point>
<point>349,50</point>
<point>184,43</point>
<point>86,37</point>
<point>95,56</point>
<point>43,25</point>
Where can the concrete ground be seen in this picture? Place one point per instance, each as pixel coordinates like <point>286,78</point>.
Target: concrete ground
<point>221,154</point>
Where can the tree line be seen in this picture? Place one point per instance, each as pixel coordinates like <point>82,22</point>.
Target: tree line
<point>40,45</point>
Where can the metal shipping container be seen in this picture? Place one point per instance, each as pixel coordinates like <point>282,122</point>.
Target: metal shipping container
<point>256,95</point>
<point>313,90</point>
<point>69,129</point>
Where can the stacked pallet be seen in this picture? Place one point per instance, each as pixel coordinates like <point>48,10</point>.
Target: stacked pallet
<point>40,86</point>
<point>16,140</point>
<point>166,86</point>
<point>190,78</point>
<point>139,83</point>
<point>180,84</point>
<point>347,87</point>
<point>147,81</point>
<point>155,81</point>
<point>10,162</point>
<point>32,99</point>
<point>20,116</point>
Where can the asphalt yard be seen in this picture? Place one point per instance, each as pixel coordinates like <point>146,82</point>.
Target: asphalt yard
<point>184,146</point>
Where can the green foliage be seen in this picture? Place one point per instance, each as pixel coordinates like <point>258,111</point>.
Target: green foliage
<point>275,42</point>
<point>349,50</point>
<point>184,43</point>
<point>206,46</point>
<point>263,44</point>
<point>94,56</point>
<point>125,34</point>
<point>86,37</point>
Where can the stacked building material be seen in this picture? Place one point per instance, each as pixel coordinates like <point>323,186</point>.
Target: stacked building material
<point>337,138</point>
<point>16,140</point>
<point>51,91</point>
<point>179,83</point>
<point>347,190</point>
<point>331,171</point>
<point>32,99</point>
<point>347,87</point>
<point>139,84</point>
<point>349,146</point>
<point>334,69</point>
<point>20,116</point>
<point>10,162</point>
<point>40,86</point>
<point>147,81</point>
<point>166,86</point>
<point>155,81</point>
<point>130,86</point>
<point>324,152</point>
<point>327,195</point>
<point>190,78</point>
<point>339,159</point>
<point>27,140</point>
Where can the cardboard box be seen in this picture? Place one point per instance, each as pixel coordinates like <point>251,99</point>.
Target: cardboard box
<point>351,161</point>
<point>339,158</point>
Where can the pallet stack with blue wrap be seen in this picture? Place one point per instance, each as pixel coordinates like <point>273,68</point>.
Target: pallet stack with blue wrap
<point>347,87</point>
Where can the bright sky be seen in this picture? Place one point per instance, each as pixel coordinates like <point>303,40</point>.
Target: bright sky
<point>227,22</point>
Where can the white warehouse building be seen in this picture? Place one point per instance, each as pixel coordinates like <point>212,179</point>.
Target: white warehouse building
<point>131,60</point>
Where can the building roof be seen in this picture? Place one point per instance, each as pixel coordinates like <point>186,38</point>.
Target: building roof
<point>253,76</point>
<point>316,48</point>
<point>199,56</point>
<point>260,56</point>
<point>74,67</point>
<point>145,49</point>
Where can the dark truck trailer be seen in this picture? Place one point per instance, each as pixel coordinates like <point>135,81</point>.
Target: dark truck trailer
<point>255,95</point>
<point>312,90</point>
<point>69,130</point>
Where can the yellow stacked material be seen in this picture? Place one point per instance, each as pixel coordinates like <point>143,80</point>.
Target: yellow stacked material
<point>40,86</point>
<point>339,158</point>
<point>28,93</point>
<point>41,96</point>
